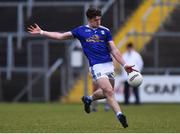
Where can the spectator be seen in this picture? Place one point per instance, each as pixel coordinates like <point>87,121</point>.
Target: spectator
<point>131,57</point>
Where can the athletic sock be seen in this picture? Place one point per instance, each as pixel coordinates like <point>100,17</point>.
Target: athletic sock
<point>90,97</point>
<point>118,113</point>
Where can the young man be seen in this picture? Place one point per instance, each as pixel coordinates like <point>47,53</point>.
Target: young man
<point>98,47</point>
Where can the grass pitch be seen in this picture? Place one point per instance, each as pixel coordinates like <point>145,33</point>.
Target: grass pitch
<point>70,118</point>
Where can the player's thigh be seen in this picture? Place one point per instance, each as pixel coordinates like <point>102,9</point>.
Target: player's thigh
<point>104,84</point>
<point>96,87</point>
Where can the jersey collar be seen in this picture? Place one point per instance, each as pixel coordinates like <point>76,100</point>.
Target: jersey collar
<point>91,27</point>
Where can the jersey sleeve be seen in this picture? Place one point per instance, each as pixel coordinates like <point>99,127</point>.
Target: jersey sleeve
<point>108,36</point>
<point>75,32</point>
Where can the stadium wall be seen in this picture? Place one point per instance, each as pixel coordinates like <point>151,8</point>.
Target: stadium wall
<point>154,89</point>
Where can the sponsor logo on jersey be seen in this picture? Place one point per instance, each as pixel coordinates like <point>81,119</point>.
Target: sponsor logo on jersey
<point>94,38</point>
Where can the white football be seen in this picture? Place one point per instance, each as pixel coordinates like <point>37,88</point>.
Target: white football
<point>135,79</point>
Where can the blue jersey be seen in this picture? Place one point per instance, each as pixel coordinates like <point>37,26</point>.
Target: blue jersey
<point>94,43</point>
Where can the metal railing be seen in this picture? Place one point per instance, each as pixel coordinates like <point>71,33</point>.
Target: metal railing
<point>132,33</point>
<point>157,3</point>
<point>43,71</point>
<point>48,74</point>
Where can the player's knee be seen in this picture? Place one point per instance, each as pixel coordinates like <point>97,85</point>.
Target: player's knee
<point>109,93</point>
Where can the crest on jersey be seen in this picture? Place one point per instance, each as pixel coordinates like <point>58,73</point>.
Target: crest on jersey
<point>102,32</point>
<point>94,38</point>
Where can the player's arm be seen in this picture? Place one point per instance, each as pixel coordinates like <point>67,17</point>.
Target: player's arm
<point>118,56</point>
<point>35,29</point>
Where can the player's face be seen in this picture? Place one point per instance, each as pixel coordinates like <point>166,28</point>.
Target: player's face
<point>95,22</point>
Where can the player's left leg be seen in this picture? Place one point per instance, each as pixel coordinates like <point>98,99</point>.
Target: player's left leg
<point>108,91</point>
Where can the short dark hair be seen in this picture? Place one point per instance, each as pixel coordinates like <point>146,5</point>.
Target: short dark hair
<point>129,45</point>
<point>93,12</point>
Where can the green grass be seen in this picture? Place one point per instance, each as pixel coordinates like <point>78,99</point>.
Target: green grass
<point>70,118</point>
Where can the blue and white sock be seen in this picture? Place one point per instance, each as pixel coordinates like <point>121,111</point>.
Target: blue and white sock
<point>90,98</point>
<point>118,113</point>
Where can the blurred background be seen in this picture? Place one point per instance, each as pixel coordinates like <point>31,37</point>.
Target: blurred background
<point>38,69</point>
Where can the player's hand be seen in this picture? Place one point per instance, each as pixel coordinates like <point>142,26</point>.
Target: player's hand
<point>34,29</point>
<point>129,68</point>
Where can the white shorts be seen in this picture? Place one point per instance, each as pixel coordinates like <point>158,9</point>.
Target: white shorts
<point>102,70</point>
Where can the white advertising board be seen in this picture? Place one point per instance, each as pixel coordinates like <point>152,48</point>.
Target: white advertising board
<point>155,89</point>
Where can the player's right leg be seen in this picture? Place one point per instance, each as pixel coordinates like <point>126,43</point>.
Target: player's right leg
<point>87,103</point>
<point>87,100</point>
